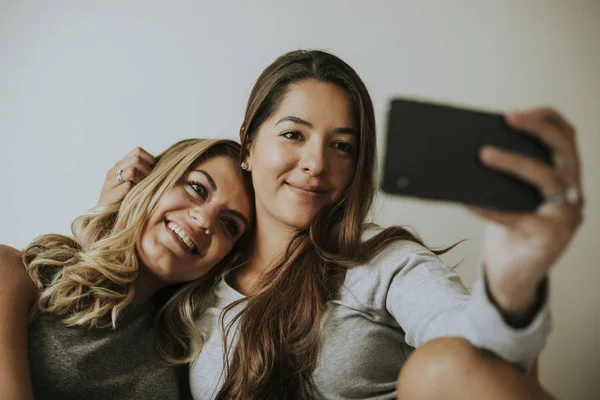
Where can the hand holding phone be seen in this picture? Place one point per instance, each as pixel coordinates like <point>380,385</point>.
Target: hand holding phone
<point>433,152</point>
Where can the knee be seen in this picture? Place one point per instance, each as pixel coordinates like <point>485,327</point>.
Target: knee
<point>439,367</point>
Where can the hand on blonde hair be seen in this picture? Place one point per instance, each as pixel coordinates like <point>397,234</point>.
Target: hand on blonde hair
<point>131,169</point>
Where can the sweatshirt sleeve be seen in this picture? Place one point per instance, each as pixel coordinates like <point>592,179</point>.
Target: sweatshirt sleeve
<point>428,301</point>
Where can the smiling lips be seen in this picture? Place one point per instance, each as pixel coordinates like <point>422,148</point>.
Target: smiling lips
<point>307,192</point>
<point>182,235</point>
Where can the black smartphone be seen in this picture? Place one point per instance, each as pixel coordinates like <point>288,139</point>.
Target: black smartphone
<point>432,152</point>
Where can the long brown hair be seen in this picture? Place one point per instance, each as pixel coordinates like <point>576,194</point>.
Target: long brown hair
<point>278,335</point>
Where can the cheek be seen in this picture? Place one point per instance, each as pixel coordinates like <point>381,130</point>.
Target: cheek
<point>146,245</point>
<point>218,251</point>
<point>150,233</point>
<point>273,160</point>
<point>344,173</point>
<point>175,199</point>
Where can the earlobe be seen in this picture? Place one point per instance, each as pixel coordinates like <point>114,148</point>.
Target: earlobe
<point>246,152</point>
<point>246,164</point>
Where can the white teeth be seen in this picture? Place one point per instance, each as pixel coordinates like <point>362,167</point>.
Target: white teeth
<point>184,238</point>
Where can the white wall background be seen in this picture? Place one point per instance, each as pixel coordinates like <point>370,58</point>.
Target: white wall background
<point>83,82</point>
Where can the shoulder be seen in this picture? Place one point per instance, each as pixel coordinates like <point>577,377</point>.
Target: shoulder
<point>9,254</point>
<point>396,254</point>
<point>11,266</point>
<point>16,287</point>
<point>370,281</point>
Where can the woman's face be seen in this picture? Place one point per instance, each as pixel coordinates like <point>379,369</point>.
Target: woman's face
<point>196,223</point>
<point>304,155</point>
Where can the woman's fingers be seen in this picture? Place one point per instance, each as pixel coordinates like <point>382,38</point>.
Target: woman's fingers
<point>548,133</point>
<point>139,163</point>
<point>142,154</point>
<point>535,172</point>
<point>134,174</point>
<point>551,128</point>
<point>124,174</point>
<point>134,167</point>
<point>550,115</point>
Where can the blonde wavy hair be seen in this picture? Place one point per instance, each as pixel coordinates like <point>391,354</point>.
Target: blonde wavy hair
<point>89,279</point>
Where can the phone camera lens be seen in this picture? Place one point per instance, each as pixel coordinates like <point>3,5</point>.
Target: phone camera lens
<point>402,182</point>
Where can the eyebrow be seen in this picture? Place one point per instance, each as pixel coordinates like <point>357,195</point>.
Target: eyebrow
<point>209,178</point>
<point>212,184</point>
<point>296,120</point>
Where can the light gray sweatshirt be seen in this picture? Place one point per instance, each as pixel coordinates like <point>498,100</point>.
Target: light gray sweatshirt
<point>402,298</point>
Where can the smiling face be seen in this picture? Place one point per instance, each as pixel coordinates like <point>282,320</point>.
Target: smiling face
<point>196,223</point>
<point>304,155</point>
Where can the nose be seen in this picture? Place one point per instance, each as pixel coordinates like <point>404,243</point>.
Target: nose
<point>313,160</point>
<point>203,219</point>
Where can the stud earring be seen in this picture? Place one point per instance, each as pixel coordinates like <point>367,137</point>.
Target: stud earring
<point>245,166</point>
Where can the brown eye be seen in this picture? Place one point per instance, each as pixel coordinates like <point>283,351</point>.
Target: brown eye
<point>343,146</point>
<point>231,227</point>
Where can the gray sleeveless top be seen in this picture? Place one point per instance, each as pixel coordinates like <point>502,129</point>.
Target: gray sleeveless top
<point>81,363</point>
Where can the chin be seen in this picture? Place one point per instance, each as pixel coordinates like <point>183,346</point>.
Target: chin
<point>300,221</point>
<point>162,272</point>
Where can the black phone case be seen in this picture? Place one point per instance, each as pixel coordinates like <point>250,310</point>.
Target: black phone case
<point>432,152</point>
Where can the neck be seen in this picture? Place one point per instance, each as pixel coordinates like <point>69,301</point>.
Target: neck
<point>270,242</point>
<point>146,286</point>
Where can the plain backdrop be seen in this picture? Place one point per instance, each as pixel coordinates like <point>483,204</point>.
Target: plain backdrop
<point>83,82</point>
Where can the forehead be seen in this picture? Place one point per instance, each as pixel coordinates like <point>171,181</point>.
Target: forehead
<point>227,176</point>
<point>218,161</point>
<point>317,102</point>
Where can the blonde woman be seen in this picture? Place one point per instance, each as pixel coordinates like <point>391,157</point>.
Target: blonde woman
<point>78,322</point>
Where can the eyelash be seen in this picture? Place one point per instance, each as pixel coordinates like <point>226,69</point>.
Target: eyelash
<point>230,226</point>
<point>347,147</point>
<point>288,133</point>
<point>199,188</point>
